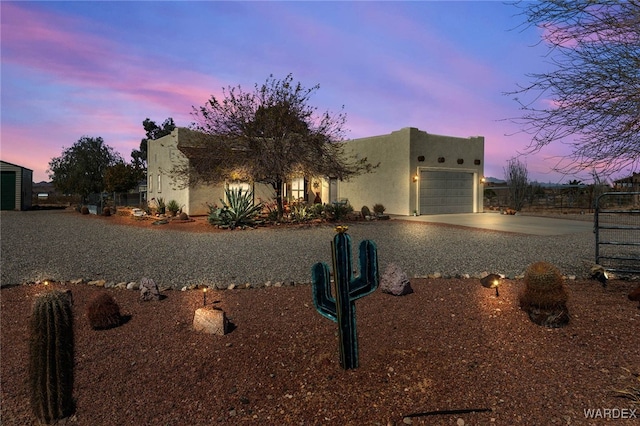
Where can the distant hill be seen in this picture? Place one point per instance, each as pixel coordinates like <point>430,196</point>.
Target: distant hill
<point>42,187</point>
<point>494,180</point>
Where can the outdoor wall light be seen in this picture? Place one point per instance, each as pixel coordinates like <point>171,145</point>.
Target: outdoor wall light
<point>600,274</point>
<point>491,281</point>
<point>482,179</point>
<point>416,178</point>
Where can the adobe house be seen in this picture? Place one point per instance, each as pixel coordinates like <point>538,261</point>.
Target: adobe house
<point>175,148</point>
<point>419,173</point>
<point>15,187</point>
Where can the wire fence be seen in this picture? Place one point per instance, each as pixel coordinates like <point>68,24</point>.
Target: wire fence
<point>559,199</point>
<point>617,231</point>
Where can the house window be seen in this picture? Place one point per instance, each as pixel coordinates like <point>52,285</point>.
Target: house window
<point>297,188</point>
<point>159,182</point>
<point>150,182</point>
<point>244,186</point>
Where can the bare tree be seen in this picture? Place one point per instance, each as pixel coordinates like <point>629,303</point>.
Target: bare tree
<point>269,135</point>
<point>517,177</point>
<point>591,100</point>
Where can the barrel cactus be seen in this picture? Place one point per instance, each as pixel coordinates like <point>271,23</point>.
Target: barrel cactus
<point>51,352</point>
<point>545,296</point>
<point>103,312</point>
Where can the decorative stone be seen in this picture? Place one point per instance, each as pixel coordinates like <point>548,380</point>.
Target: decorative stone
<point>394,281</point>
<point>77,281</point>
<point>149,290</point>
<point>133,286</point>
<point>97,283</point>
<point>121,285</point>
<point>211,321</point>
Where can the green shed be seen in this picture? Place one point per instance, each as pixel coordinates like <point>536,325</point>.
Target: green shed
<point>15,187</point>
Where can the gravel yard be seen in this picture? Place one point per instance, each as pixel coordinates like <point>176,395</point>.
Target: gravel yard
<point>64,245</point>
<point>450,345</point>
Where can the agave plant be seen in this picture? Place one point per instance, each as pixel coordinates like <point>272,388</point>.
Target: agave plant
<point>238,210</point>
<point>300,212</point>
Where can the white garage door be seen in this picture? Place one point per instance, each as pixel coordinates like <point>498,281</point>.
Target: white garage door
<point>446,192</point>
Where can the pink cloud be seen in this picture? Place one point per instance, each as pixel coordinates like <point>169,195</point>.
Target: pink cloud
<point>51,44</point>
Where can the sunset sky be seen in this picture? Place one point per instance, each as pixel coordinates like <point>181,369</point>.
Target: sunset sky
<point>71,69</point>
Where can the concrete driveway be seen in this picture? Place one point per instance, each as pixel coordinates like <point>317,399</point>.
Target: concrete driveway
<point>521,224</point>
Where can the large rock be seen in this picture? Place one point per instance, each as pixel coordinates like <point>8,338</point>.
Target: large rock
<point>394,281</point>
<point>635,296</point>
<point>149,290</point>
<point>211,321</point>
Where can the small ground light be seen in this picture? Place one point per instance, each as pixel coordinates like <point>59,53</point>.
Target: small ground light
<point>204,296</point>
<point>491,281</point>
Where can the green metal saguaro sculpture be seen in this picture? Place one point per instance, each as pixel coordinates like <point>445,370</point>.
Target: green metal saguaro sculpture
<point>339,306</point>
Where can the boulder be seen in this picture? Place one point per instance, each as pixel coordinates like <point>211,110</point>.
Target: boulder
<point>149,290</point>
<point>211,321</point>
<point>394,281</point>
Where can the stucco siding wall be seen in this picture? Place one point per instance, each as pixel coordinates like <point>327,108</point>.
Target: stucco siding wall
<point>162,154</point>
<point>459,154</point>
<point>390,183</point>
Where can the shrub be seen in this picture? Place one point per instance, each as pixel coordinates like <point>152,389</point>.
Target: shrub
<point>337,211</point>
<point>239,210</point>
<point>84,210</point>
<point>183,216</point>
<point>365,212</point>
<point>378,209</point>
<point>173,207</point>
<point>270,211</point>
<point>318,210</point>
<point>161,205</point>
<point>103,312</point>
<point>51,348</point>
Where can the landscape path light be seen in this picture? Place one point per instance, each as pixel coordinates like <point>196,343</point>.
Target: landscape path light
<point>491,281</point>
<point>204,296</point>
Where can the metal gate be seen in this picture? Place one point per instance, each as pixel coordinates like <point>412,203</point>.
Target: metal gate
<point>617,229</point>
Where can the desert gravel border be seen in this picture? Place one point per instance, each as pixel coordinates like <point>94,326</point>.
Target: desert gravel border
<point>65,246</point>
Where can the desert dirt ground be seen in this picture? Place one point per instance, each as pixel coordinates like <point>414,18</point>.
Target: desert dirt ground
<point>450,345</point>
